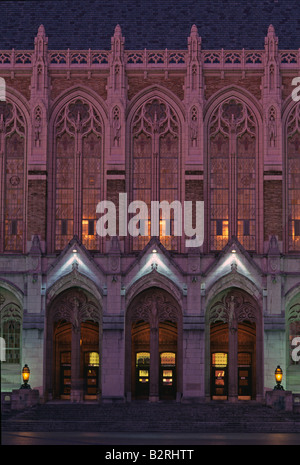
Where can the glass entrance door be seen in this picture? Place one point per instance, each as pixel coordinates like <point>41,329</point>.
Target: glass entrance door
<point>142,375</point>
<point>244,375</point>
<point>65,374</point>
<point>167,378</point>
<point>219,376</point>
<point>91,373</point>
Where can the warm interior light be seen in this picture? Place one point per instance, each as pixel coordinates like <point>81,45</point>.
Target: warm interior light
<point>154,251</point>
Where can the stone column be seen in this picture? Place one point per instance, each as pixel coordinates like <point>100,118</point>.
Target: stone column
<point>154,354</point>
<point>233,354</point>
<point>154,364</point>
<point>76,388</point>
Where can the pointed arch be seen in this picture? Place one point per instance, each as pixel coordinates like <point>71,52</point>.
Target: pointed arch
<point>153,279</point>
<point>291,170</point>
<point>78,122</point>
<point>233,184</point>
<point>155,120</point>
<point>153,324</point>
<point>74,328</point>
<point>234,329</point>
<point>15,129</point>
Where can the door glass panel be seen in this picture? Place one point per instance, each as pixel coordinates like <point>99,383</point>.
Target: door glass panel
<point>65,373</point>
<point>91,373</point>
<point>244,375</point>
<point>167,375</point>
<point>219,359</point>
<point>142,374</point>
<point>219,374</point>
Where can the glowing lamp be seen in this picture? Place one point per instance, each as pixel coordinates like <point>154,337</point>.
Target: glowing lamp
<point>25,376</point>
<point>278,378</point>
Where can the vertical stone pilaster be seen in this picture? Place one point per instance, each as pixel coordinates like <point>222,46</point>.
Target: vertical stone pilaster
<point>39,100</point>
<point>233,354</point>
<point>271,100</point>
<point>76,388</point>
<point>117,99</point>
<point>194,98</point>
<point>154,364</point>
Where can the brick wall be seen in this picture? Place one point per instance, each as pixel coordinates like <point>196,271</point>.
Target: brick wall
<point>138,83</point>
<point>21,84</point>
<point>36,215</point>
<point>273,203</point>
<point>59,85</point>
<point>194,192</point>
<point>114,187</point>
<point>214,84</point>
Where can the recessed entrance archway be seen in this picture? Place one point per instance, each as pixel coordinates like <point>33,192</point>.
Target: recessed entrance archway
<point>74,337</point>
<point>153,346</point>
<point>234,347</point>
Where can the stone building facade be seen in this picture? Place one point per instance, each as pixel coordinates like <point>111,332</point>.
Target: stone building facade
<point>124,317</point>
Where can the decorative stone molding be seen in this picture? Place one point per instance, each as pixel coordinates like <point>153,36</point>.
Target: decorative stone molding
<point>234,307</point>
<point>73,279</point>
<point>10,312</point>
<point>75,307</point>
<point>154,306</point>
<point>153,279</point>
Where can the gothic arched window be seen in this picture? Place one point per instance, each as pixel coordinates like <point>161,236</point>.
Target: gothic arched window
<point>12,173</point>
<point>155,166</point>
<point>10,331</point>
<point>293,178</point>
<point>78,171</point>
<point>232,174</point>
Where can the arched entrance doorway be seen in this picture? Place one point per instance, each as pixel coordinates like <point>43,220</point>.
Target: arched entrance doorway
<point>153,346</point>
<point>235,347</point>
<point>74,346</point>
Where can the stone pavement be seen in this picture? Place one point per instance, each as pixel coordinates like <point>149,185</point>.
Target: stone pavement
<point>142,441</point>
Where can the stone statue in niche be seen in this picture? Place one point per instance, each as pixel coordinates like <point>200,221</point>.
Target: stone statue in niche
<point>194,127</point>
<point>116,127</point>
<point>272,127</point>
<point>37,127</point>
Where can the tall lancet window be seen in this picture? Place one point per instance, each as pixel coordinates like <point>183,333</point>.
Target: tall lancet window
<point>78,173</point>
<point>12,173</point>
<point>293,177</point>
<point>155,167</point>
<point>232,175</point>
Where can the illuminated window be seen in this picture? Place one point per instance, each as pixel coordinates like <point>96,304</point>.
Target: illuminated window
<point>142,358</point>
<point>91,189</point>
<point>293,178</point>
<point>155,165</point>
<point>78,173</point>
<point>10,331</point>
<point>232,175</point>
<point>12,172</point>
<point>219,359</point>
<point>93,359</point>
<point>293,315</point>
<point>167,358</point>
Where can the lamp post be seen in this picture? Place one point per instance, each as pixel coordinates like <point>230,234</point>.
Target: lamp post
<point>278,378</point>
<point>25,376</point>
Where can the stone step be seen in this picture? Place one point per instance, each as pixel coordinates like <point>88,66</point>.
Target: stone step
<point>161,417</point>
